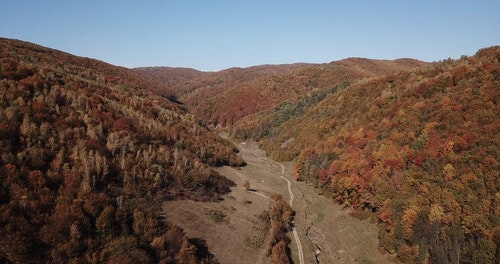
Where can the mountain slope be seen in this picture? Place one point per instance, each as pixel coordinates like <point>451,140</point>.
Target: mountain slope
<point>419,148</point>
<point>225,97</point>
<point>85,151</point>
<point>173,78</point>
<point>185,81</point>
<point>414,143</point>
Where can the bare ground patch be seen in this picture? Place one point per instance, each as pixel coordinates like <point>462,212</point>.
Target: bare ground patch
<point>232,228</point>
<point>233,231</point>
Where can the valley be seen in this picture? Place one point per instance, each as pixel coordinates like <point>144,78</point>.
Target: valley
<point>381,161</point>
<point>325,232</point>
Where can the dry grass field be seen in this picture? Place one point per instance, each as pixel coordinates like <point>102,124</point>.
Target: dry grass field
<point>234,233</point>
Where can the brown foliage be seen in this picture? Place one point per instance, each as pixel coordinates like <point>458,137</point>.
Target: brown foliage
<point>426,139</point>
<point>226,97</point>
<point>280,218</point>
<point>86,153</point>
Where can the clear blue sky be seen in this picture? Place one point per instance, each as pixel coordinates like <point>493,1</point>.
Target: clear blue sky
<point>218,34</point>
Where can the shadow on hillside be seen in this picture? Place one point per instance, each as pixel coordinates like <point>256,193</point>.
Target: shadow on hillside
<point>202,247</point>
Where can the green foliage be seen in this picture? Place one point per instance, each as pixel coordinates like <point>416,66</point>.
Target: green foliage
<point>217,216</point>
<point>485,252</point>
<point>268,124</point>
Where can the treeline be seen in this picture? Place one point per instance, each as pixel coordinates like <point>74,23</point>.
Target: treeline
<point>279,219</point>
<point>230,98</point>
<point>171,79</point>
<point>85,153</point>
<point>227,97</point>
<point>417,148</point>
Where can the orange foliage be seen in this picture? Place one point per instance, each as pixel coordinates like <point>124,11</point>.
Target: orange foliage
<point>225,98</point>
<point>425,136</point>
<point>386,217</point>
<point>86,153</point>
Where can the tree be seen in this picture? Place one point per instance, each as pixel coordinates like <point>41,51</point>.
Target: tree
<point>279,255</point>
<point>187,253</point>
<point>323,176</point>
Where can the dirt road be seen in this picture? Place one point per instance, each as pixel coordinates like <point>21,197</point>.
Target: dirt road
<point>323,232</point>
<point>300,251</point>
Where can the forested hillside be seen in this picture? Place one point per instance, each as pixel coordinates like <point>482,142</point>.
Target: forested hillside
<point>228,96</point>
<point>85,152</point>
<point>88,148</point>
<point>226,103</point>
<point>171,79</point>
<point>419,148</point>
<point>185,81</point>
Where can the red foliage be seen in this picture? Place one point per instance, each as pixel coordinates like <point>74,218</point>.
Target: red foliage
<point>394,164</point>
<point>63,197</point>
<point>323,176</point>
<point>226,97</point>
<point>386,217</point>
<point>432,145</point>
<point>296,175</point>
<point>418,160</point>
<point>122,124</point>
<point>36,178</point>
<point>94,144</point>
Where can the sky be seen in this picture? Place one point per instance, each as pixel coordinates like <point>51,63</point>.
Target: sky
<point>212,35</point>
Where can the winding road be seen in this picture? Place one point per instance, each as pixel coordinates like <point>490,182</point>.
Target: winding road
<point>294,230</point>
<point>322,230</point>
<point>290,202</point>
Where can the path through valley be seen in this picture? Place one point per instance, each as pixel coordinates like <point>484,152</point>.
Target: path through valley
<point>322,233</point>
<point>300,251</point>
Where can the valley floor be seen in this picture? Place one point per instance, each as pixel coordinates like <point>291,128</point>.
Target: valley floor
<point>233,231</point>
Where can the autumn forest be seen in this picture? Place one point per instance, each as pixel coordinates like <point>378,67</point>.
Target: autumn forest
<point>90,150</point>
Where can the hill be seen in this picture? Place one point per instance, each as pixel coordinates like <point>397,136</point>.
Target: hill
<point>174,79</point>
<point>185,80</point>
<point>417,148</point>
<point>226,97</point>
<point>85,153</point>
<point>415,144</point>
